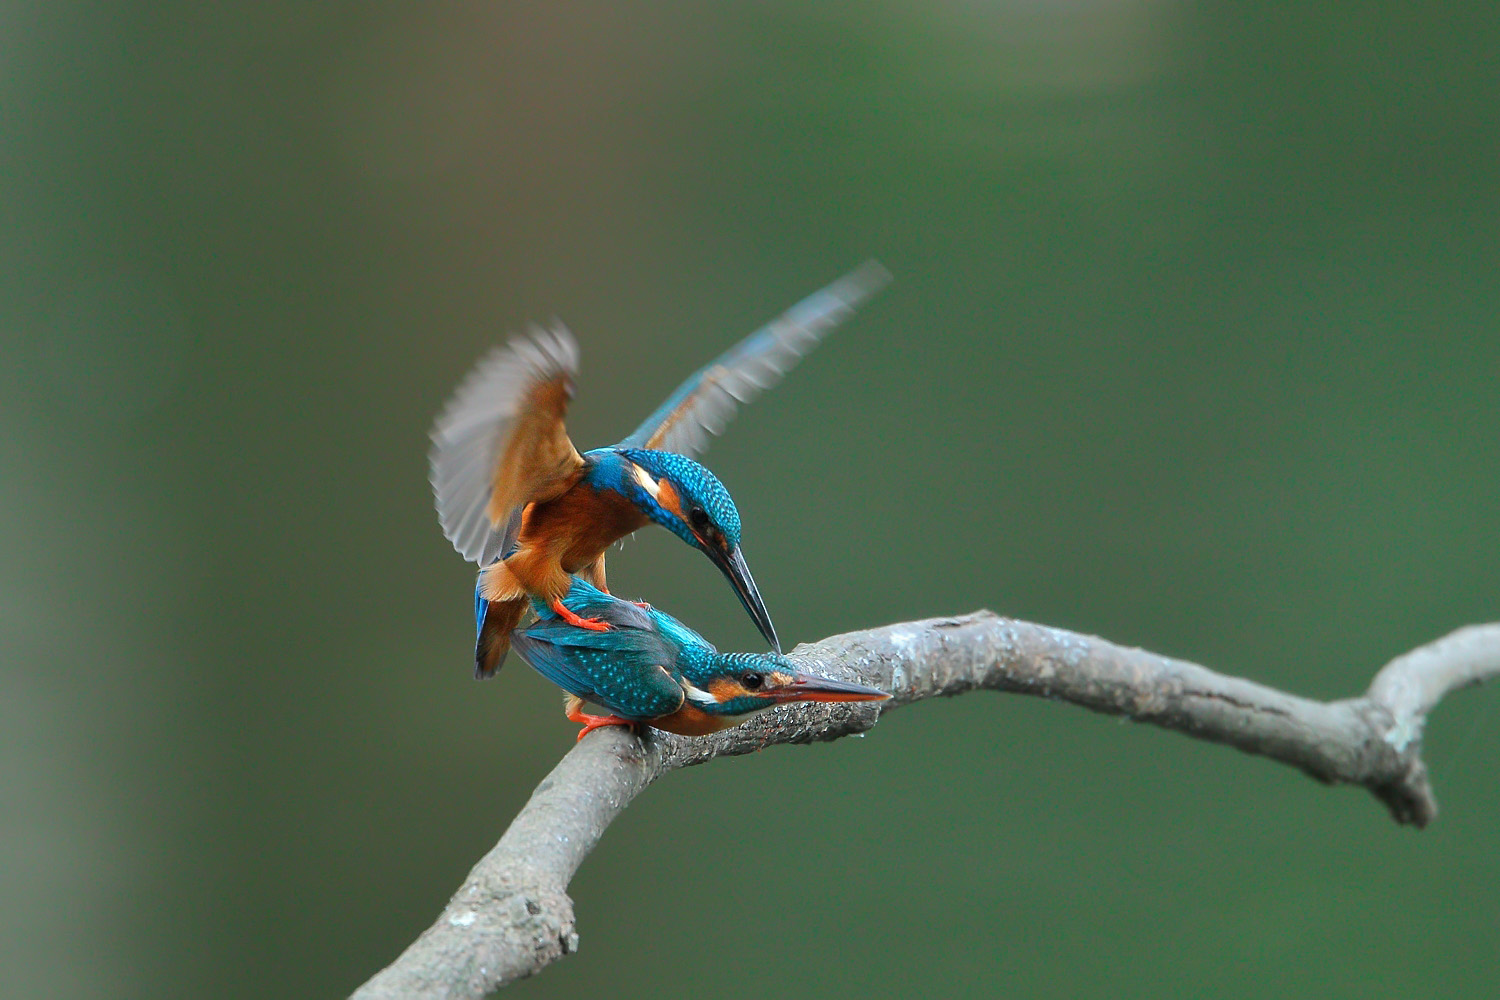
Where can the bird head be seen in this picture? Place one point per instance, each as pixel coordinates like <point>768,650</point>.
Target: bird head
<point>685,498</point>
<point>736,685</point>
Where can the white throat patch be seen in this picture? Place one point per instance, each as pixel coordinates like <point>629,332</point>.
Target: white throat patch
<point>697,695</point>
<point>648,484</point>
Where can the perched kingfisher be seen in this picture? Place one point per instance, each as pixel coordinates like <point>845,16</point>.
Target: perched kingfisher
<point>650,668</point>
<point>515,496</point>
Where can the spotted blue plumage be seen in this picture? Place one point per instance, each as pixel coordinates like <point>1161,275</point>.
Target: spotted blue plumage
<point>501,454</point>
<point>628,669</point>
<point>697,487</point>
<point>644,666</point>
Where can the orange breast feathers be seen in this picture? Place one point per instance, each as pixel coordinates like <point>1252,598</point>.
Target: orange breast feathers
<point>568,535</point>
<point>690,720</point>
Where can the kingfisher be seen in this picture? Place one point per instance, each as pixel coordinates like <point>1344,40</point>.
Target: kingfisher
<point>650,668</point>
<point>516,497</point>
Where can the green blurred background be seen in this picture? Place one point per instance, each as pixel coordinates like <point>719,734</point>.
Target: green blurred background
<point>1192,345</point>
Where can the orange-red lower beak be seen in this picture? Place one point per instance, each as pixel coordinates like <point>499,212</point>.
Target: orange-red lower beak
<point>806,687</point>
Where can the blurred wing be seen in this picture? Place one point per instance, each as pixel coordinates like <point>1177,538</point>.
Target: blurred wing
<point>705,403</point>
<point>501,444</point>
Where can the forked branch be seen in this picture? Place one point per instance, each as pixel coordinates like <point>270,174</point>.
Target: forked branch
<point>512,916</point>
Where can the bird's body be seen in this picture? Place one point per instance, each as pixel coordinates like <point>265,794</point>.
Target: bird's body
<point>568,534</point>
<point>514,494</point>
<point>650,668</point>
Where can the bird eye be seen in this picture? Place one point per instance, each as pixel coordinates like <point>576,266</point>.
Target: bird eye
<point>698,518</point>
<point>752,681</point>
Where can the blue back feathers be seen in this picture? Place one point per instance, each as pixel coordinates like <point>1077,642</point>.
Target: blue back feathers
<point>624,669</point>
<point>632,669</point>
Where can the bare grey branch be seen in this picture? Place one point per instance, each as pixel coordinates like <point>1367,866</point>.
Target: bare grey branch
<point>512,917</point>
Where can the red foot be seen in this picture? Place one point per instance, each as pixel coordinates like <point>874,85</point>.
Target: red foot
<point>592,624</point>
<point>593,722</point>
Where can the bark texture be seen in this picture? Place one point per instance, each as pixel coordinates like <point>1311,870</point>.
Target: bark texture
<point>512,916</point>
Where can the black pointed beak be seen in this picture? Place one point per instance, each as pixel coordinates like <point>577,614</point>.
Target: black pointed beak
<point>807,687</point>
<point>732,564</point>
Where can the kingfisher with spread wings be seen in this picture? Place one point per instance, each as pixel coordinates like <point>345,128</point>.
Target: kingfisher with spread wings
<point>515,496</point>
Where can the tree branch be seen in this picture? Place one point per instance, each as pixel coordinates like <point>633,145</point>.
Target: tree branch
<point>512,916</point>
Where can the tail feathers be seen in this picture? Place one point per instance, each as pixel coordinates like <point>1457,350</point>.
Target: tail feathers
<point>500,618</point>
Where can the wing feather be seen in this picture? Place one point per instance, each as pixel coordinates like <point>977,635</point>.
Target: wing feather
<point>501,442</point>
<point>703,405</point>
<point>624,669</point>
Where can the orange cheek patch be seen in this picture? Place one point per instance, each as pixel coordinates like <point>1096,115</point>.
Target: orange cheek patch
<point>723,689</point>
<point>666,495</point>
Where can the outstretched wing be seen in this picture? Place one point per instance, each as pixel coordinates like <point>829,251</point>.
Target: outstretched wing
<point>501,444</point>
<point>704,404</point>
